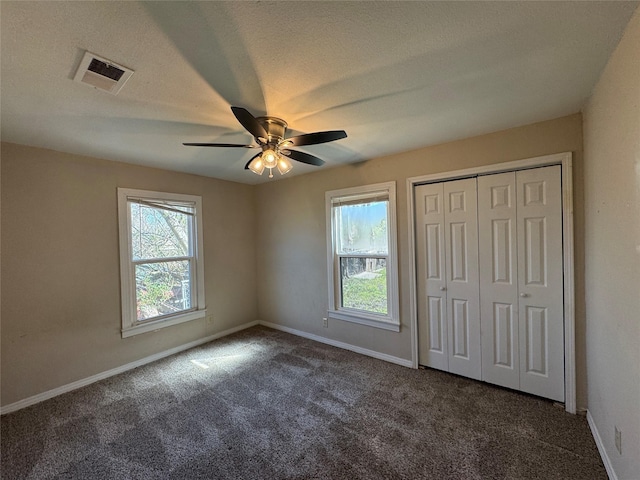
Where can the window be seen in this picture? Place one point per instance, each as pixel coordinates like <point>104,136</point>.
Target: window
<point>161,259</point>
<point>362,257</point>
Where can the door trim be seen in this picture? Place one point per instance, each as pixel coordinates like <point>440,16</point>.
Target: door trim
<point>565,160</point>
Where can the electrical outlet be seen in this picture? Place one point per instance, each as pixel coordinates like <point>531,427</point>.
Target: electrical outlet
<point>325,322</point>
<point>209,319</point>
<point>618,434</point>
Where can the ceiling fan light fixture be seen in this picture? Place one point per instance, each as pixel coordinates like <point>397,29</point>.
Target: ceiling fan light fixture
<point>257,166</point>
<point>270,158</point>
<point>284,165</point>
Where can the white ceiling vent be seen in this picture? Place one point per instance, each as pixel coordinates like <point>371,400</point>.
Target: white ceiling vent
<point>102,73</point>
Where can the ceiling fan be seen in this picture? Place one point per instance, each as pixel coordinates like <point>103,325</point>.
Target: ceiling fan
<point>268,133</point>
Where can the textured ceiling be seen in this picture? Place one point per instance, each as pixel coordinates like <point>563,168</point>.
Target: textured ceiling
<point>395,75</point>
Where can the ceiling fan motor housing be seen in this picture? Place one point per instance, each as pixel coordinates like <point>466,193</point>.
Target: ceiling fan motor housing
<point>275,127</point>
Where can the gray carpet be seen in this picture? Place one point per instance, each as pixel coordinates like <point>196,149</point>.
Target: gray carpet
<point>263,404</point>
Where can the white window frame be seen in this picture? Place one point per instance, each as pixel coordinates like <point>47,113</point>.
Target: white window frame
<point>130,324</point>
<point>390,321</point>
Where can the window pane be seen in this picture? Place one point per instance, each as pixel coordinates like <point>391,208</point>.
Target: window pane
<point>364,284</point>
<point>362,228</point>
<point>159,233</point>
<point>162,288</point>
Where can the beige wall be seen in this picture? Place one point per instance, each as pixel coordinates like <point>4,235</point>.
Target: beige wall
<point>612,242</point>
<point>292,266</point>
<point>60,266</point>
<point>60,274</point>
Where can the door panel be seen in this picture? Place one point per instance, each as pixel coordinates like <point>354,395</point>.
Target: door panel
<point>535,251</point>
<point>501,251</point>
<point>433,241</point>
<point>540,282</point>
<point>536,341</point>
<point>498,279</point>
<point>458,248</point>
<point>431,277</point>
<point>463,307</point>
<point>503,340</point>
<point>437,342</point>
<point>460,329</point>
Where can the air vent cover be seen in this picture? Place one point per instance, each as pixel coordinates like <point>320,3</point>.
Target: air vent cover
<point>101,73</point>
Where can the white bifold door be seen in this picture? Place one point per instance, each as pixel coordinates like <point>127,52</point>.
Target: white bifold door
<point>498,266</point>
<point>521,283</point>
<point>449,301</point>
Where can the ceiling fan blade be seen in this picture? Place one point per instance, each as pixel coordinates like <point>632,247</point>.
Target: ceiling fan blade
<point>219,145</point>
<point>250,123</point>
<point>315,138</point>
<point>303,157</point>
<point>246,167</point>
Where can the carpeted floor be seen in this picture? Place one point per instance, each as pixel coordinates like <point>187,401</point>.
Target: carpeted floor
<point>263,404</point>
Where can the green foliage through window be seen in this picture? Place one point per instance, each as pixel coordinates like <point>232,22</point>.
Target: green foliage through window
<point>364,288</point>
<point>162,288</point>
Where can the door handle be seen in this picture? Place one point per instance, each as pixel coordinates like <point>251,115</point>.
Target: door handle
<point>442,289</point>
<point>524,295</point>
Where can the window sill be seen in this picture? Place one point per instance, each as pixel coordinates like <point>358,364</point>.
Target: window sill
<point>364,319</point>
<point>162,323</point>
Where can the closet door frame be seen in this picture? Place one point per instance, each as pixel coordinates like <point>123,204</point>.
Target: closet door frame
<point>566,162</point>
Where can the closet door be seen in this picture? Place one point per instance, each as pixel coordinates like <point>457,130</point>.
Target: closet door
<point>490,279</point>
<point>499,279</point>
<point>463,298</point>
<point>431,277</point>
<point>540,282</point>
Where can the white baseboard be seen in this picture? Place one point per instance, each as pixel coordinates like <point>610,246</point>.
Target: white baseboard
<point>335,343</point>
<point>12,407</point>
<point>603,453</point>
